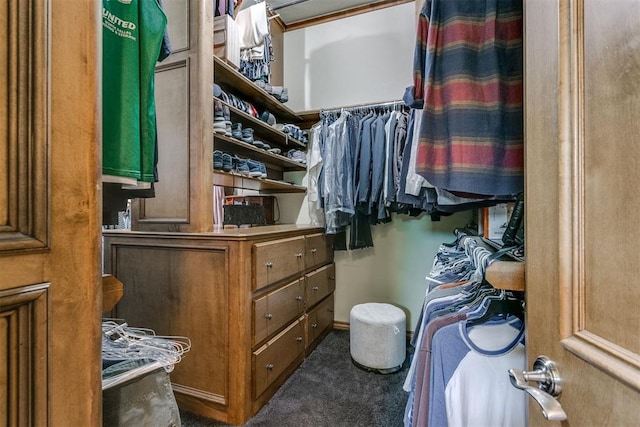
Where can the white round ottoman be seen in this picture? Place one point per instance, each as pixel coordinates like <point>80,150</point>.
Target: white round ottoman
<point>378,337</point>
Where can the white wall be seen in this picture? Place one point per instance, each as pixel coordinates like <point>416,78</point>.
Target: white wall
<point>365,59</point>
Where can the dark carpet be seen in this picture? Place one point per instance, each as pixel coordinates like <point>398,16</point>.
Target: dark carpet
<point>328,390</point>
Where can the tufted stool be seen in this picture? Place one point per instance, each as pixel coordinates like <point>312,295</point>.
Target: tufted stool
<point>378,337</point>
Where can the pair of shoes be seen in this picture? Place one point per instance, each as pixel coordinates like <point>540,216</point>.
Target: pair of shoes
<point>243,106</point>
<point>280,93</point>
<point>219,124</point>
<point>222,161</point>
<point>257,169</point>
<point>298,156</point>
<point>226,113</point>
<point>260,144</point>
<point>247,135</point>
<point>219,121</point>
<point>284,96</point>
<point>294,131</point>
<point>268,118</point>
<point>240,166</point>
<point>236,130</point>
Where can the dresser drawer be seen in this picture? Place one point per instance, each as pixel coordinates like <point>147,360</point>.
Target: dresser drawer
<point>319,250</point>
<point>319,283</point>
<point>271,360</point>
<point>276,309</point>
<point>277,259</point>
<point>318,320</point>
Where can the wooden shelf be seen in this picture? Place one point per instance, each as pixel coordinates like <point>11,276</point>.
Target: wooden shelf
<point>263,131</point>
<point>243,149</point>
<point>263,185</point>
<point>227,77</point>
<point>508,275</point>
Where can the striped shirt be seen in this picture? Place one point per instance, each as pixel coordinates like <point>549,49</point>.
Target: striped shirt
<point>468,68</point>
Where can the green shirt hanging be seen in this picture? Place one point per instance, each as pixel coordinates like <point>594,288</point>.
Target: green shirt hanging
<point>132,38</point>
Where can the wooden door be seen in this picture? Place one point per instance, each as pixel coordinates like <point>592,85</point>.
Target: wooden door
<point>582,97</point>
<point>49,213</point>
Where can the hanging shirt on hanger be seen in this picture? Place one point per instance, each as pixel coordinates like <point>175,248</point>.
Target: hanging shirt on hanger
<point>468,68</point>
<point>314,167</point>
<point>465,387</point>
<point>132,40</point>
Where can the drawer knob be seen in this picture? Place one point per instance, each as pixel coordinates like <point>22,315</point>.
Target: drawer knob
<point>314,325</point>
<point>298,298</point>
<point>269,316</point>
<point>269,366</point>
<point>269,264</point>
<point>315,288</point>
<point>299,255</point>
<point>299,339</point>
<point>314,250</point>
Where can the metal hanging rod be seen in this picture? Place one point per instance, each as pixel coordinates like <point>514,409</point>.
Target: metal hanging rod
<point>398,103</point>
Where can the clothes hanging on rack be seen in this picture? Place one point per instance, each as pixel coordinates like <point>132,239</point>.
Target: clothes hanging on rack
<point>468,70</point>
<point>133,33</point>
<point>467,332</point>
<point>226,7</point>
<point>338,186</point>
<point>314,167</point>
<point>256,48</point>
<point>360,168</point>
<point>382,141</point>
<point>135,38</point>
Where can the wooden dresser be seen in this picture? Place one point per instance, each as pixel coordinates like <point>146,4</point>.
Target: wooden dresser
<point>254,303</point>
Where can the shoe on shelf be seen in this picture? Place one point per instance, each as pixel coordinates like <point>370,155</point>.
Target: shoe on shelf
<point>227,163</point>
<point>274,150</point>
<point>236,130</point>
<point>266,146</point>
<point>240,165</point>
<point>217,159</point>
<point>226,113</point>
<point>237,103</point>
<point>276,91</point>
<point>284,96</point>
<point>268,118</point>
<point>297,155</point>
<point>228,131</point>
<point>256,169</point>
<point>259,144</point>
<point>247,135</point>
<point>219,124</point>
<point>222,161</point>
<point>224,97</point>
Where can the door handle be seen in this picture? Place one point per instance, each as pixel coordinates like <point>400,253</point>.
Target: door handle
<point>545,373</point>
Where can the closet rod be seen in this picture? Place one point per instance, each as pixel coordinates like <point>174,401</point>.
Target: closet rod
<point>370,105</point>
